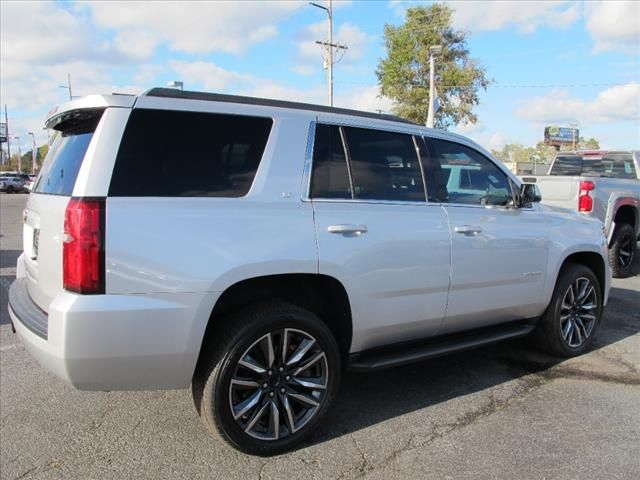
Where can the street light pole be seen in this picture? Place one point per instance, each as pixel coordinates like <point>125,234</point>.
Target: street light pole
<point>433,50</point>
<point>34,154</point>
<point>19,153</point>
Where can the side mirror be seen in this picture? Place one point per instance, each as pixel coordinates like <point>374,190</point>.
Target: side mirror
<point>529,193</point>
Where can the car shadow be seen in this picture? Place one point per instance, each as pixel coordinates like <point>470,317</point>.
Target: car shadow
<point>366,399</point>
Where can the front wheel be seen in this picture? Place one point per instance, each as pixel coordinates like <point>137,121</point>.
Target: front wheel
<point>569,324</point>
<point>269,381</point>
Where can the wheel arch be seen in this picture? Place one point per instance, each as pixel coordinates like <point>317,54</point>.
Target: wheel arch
<point>323,295</point>
<point>591,260</point>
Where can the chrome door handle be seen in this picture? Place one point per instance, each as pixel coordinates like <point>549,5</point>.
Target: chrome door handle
<point>467,229</point>
<point>348,229</point>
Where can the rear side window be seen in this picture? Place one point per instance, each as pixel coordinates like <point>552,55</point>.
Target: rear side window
<point>188,154</point>
<point>384,165</point>
<point>60,169</point>
<point>567,165</point>
<point>330,177</point>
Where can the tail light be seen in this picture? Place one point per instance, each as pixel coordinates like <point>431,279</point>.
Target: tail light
<point>585,202</point>
<point>83,268</point>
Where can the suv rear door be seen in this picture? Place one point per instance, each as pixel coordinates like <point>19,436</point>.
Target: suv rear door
<point>377,234</point>
<point>45,211</point>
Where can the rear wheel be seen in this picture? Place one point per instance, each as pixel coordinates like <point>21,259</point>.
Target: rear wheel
<point>569,324</point>
<point>622,251</point>
<point>267,383</point>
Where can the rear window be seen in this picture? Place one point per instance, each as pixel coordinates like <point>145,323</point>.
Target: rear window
<point>188,154</point>
<point>612,165</point>
<point>61,166</point>
<point>567,165</point>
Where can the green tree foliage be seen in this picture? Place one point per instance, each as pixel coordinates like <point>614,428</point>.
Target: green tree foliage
<point>404,73</point>
<point>516,152</point>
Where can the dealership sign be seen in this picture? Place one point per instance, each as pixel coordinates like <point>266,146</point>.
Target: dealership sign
<point>560,135</point>
<point>3,132</point>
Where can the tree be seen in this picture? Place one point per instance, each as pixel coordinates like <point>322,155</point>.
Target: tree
<point>404,73</point>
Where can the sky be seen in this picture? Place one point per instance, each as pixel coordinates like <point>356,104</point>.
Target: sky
<point>551,62</point>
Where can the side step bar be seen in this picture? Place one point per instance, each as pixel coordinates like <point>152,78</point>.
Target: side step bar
<point>403,354</point>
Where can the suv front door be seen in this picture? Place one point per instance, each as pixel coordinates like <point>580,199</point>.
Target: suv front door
<point>499,252</point>
<point>377,234</point>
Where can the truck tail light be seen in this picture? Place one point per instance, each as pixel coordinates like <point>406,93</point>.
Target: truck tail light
<point>585,202</point>
<point>83,264</point>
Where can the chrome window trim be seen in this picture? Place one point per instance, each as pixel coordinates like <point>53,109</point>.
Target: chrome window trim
<point>305,187</point>
<point>419,157</point>
<point>376,202</point>
<point>347,158</point>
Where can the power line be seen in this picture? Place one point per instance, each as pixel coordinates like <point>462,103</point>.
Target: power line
<point>501,85</point>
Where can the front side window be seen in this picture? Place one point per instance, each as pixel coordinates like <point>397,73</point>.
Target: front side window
<point>384,165</point>
<point>188,154</point>
<point>463,175</point>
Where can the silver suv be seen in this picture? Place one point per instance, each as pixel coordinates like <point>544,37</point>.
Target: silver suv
<point>253,249</point>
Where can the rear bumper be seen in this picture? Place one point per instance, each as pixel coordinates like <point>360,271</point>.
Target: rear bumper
<point>115,342</point>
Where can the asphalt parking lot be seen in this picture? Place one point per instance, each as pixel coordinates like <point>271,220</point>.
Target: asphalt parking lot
<point>500,412</point>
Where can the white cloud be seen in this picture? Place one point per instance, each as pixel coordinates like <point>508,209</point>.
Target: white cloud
<point>490,141</point>
<point>210,76</point>
<point>368,99</point>
<point>310,54</point>
<point>527,16</point>
<point>614,25</point>
<point>193,27</point>
<point>616,104</point>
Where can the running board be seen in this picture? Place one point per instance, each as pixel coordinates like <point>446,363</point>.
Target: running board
<point>403,354</point>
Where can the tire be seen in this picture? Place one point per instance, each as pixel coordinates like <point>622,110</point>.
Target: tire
<point>245,336</point>
<point>10,190</point>
<point>568,326</point>
<point>622,251</point>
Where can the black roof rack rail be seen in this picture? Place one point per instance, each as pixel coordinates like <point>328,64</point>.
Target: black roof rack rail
<point>219,97</point>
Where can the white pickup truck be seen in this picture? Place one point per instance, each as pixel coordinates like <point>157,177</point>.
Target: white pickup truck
<point>601,184</point>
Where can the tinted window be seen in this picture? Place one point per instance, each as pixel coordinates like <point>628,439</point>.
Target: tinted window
<point>61,166</point>
<point>188,154</point>
<point>330,177</point>
<point>384,165</point>
<point>615,165</point>
<point>567,165</point>
<point>470,177</point>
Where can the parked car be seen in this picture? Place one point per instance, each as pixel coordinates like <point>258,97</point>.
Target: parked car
<point>11,184</point>
<point>604,185</point>
<point>313,239</point>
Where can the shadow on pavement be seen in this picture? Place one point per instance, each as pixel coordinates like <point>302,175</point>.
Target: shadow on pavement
<point>371,398</point>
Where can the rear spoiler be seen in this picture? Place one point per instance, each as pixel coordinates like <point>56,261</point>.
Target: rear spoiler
<point>87,104</point>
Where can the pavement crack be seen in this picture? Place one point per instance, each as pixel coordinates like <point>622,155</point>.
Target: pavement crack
<point>26,472</point>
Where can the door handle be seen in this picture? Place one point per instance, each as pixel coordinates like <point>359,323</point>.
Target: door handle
<point>467,230</point>
<point>348,229</point>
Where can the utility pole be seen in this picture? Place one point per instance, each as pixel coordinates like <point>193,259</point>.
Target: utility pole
<point>68,86</point>
<point>34,153</point>
<point>329,46</point>
<point>433,51</point>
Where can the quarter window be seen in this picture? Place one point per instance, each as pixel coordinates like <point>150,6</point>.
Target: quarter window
<point>462,175</point>
<point>188,154</point>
